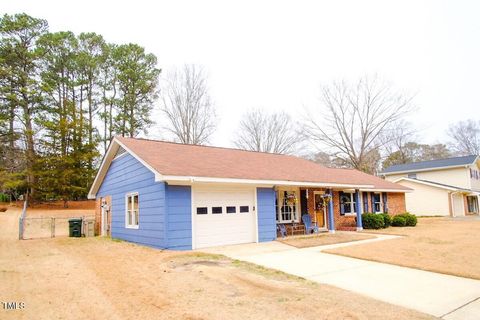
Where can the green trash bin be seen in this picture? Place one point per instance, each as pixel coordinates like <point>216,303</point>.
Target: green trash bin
<point>75,227</point>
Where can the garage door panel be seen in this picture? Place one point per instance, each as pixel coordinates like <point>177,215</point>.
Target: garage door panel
<point>225,228</point>
<point>223,231</point>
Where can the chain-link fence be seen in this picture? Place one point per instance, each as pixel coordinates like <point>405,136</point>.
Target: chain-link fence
<point>50,227</point>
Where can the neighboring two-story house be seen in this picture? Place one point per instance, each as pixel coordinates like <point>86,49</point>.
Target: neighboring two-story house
<point>447,187</point>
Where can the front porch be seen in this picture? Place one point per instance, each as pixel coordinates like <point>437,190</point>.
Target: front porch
<point>327,209</point>
<point>330,209</point>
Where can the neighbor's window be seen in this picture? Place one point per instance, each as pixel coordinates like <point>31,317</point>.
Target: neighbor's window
<point>348,203</point>
<point>132,208</point>
<point>472,204</point>
<point>377,202</point>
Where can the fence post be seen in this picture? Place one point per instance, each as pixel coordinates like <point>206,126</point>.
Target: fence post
<point>20,228</point>
<point>21,221</point>
<point>53,227</point>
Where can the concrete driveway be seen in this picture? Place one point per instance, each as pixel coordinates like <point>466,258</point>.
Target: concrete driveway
<point>437,294</point>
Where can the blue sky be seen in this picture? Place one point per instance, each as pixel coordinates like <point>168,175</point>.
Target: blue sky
<point>276,54</point>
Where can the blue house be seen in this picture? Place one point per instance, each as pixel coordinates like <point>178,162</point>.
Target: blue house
<point>183,197</point>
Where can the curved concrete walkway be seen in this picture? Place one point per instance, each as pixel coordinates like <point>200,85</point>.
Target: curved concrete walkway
<point>437,294</point>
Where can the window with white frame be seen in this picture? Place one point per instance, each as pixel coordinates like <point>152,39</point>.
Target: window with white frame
<point>287,205</point>
<point>131,210</point>
<point>377,202</point>
<point>348,203</point>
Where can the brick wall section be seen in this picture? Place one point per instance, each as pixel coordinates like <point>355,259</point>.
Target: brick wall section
<point>396,203</point>
<point>341,222</point>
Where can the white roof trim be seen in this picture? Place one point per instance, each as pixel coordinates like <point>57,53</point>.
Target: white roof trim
<point>429,184</point>
<point>110,154</point>
<point>107,160</point>
<point>192,180</point>
<point>386,190</point>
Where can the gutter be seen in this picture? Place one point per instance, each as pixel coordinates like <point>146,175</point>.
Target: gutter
<point>193,180</point>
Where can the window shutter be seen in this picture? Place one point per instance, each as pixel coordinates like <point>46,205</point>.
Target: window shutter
<point>385,202</point>
<point>365,202</point>
<point>342,209</point>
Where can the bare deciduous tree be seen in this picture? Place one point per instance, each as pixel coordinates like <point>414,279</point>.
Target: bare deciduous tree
<point>267,132</point>
<point>187,105</point>
<point>465,137</point>
<point>352,119</point>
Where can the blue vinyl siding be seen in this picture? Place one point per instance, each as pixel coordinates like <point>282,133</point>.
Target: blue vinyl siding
<point>267,226</point>
<point>179,219</point>
<point>126,174</point>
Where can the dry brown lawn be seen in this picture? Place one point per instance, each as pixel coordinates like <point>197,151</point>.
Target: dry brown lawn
<point>436,244</point>
<point>88,278</point>
<point>324,239</point>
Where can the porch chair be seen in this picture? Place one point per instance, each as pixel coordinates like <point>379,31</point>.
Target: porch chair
<point>282,229</point>
<point>309,226</point>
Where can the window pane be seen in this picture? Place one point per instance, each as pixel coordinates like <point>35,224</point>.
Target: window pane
<point>348,207</point>
<point>346,201</point>
<point>287,206</point>
<point>129,203</point>
<point>202,210</point>
<point>129,214</point>
<point>136,217</point>
<point>231,209</point>
<point>217,210</point>
<point>135,202</point>
<point>243,209</point>
<point>377,197</point>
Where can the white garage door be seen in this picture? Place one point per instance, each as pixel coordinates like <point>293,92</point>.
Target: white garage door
<point>223,215</point>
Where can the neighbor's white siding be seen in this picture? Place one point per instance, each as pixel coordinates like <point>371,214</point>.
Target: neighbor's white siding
<point>475,183</point>
<point>426,200</point>
<point>457,177</point>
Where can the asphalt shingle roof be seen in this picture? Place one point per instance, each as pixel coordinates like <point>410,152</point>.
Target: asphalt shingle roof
<point>203,161</point>
<point>422,165</point>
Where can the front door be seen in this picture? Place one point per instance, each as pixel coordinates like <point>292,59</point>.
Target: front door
<point>319,209</point>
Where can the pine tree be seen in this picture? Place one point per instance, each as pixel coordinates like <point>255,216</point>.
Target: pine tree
<point>19,74</point>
